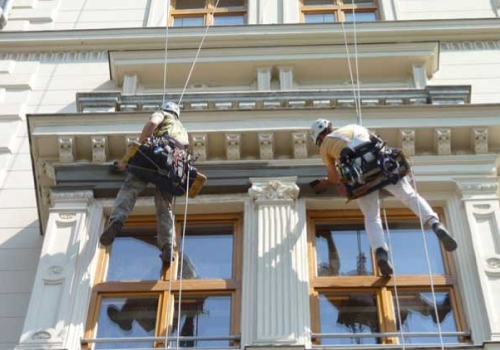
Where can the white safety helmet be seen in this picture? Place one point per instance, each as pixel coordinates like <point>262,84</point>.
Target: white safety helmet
<point>318,127</point>
<point>171,107</point>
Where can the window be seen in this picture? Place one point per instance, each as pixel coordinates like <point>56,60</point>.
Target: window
<point>350,297</point>
<point>328,11</point>
<point>131,295</point>
<point>192,13</point>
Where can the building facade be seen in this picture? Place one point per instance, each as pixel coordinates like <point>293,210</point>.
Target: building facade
<point>267,262</point>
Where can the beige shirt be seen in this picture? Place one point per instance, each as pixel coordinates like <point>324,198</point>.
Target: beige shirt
<point>337,140</point>
<point>171,126</point>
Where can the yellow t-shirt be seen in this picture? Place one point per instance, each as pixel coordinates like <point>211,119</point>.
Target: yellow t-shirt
<point>172,127</point>
<point>336,141</point>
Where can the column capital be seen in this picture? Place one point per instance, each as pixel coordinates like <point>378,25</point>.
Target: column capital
<point>478,188</point>
<point>274,190</point>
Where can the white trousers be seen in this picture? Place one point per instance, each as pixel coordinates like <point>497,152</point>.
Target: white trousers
<point>370,206</point>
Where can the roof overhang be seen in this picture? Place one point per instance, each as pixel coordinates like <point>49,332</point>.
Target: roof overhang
<point>253,35</point>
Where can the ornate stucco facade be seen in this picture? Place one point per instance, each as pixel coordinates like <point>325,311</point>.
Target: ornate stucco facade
<point>78,79</point>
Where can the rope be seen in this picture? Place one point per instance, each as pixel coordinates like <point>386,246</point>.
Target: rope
<point>360,114</point>
<point>431,278</point>
<point>196,57</point>
<point>166,54</point>
<point>182,263</point>
<point>171,272</point>
<point>350,70</point>
<point>398,306</point>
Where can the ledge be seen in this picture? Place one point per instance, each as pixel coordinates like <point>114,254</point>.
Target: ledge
<point>253,35</point>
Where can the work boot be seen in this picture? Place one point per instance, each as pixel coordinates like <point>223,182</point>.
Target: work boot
<point>444,236</point>
<point>198,183</point>
<point>109,234</point>
<point>383,262</point>
<point>166,256</point>
<point>125,324</point>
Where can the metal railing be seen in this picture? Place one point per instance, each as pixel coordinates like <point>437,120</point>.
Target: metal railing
<point>162,340</point>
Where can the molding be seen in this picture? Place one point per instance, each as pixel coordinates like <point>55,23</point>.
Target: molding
<point>477,189</point>
<point>273,35</point>
<point>70,196</point>
<point>100,149</point>
<point>274,190</point>
<point>480,140</point>
<point>200,146</point>
<point>233,146</point>
<point>478,45</point>
<point>442,141</point>
<point>266,145</point>
<point>66,149</point>
<point>63,56</point>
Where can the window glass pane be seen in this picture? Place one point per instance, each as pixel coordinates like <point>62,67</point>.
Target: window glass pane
<point>208,251</point>
<point>225,20</point>
<point>231,3</point>
<point>360,16</point>
<point>408,250</point>
<point>353,312</point>
<point>319,18</point>
<point>203,317</point>
<point>189,21</point>
<point>126,318</point>
<point>317,2</point>
<point>189,4</point>
<point>134,258</point>
<point>342,251</point>
<point>359,2</point>
<point>418,315</point>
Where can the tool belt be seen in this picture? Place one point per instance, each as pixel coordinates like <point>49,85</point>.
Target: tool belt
<point>164,162</point>
<point>370,166</point>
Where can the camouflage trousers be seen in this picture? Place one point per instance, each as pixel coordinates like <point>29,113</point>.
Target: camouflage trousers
<point>125,201</point>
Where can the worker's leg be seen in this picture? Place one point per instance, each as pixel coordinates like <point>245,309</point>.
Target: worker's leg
<point>124,203</point>
<point>165,224</point>
<point>405,192</point>
<point>370,206</point>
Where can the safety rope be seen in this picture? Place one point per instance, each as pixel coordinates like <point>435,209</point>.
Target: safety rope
<point>350,72</point>
<point>360,114</point>
<point>394,274</point>
<point>197,55</point>
<point>166,53</point>
<point>431,278</point>
<point>183,240</point>
<point>171,277</point>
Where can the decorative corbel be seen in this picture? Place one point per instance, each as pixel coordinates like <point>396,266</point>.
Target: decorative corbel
<point>233,146</point>
<point>442,141</point>
<point>200,144</point>
<point>66,149</point>
<point>266,145</point>
<point>299,140</point>
<point>480,140</point>
<point>100,149</point>
<point>407,137</point>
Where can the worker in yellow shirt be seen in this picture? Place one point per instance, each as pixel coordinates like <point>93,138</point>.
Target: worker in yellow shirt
<point>350,138</point>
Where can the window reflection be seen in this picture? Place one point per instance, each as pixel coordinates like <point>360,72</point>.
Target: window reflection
<point>201,317</point>
<point>317,2</point>
<point>231,3</point>
<point>208,251</point>
<point>134,258</point>
<point>408,250</point>
<point>360,16</point>
<point>126,318</point>
<point>418,315</point>
<point>225,20</point>
<point>319,18</point>
<point>189,4</point>
<point>189,21</point>
<point>353,312</point>
<point>342,251</point>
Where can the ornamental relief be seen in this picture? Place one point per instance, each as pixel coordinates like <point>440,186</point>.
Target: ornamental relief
<point>54,273</point>
<point>274,190</point>
<point>493,267</point>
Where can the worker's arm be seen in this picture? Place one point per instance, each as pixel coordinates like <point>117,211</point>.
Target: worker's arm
<point>333,177</point>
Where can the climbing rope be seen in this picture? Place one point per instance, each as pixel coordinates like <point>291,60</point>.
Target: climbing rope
<point>197,55</point>
<point>166,53</point>
<point>398,306</point>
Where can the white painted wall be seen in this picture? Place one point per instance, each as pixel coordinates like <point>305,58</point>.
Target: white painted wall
<point>468,63</point>
<point>445,9</point>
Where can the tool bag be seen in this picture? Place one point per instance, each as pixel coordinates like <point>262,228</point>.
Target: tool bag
<point>370,166</point>
<point>164,162</point>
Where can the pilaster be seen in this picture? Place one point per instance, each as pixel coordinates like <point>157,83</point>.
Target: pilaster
<point>61,292</point>
<point>275,280</point>
<point>482,209</point>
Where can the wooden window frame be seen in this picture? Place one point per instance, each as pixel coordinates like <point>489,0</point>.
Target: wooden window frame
<point>383,286</point>
<point>190,287</point>
<point>339,8</point>
<point>208,13</point>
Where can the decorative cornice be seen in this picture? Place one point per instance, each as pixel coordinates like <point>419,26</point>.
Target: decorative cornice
<point>471,45</point>
<point>71,196</point>
<point>478,187</point>
<point>60,57</point>
<point>274,190</point>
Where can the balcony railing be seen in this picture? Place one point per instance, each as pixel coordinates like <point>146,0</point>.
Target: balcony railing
<point>431,95</point>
